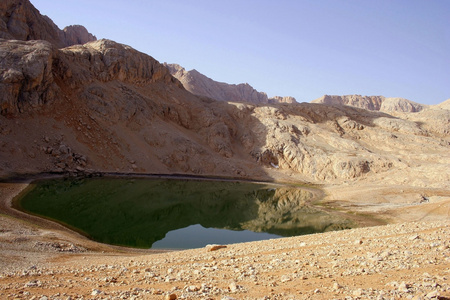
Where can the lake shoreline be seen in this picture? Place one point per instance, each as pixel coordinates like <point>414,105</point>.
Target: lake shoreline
<point>40,217</point>
<point>312,266</point>
<point>329,197</point>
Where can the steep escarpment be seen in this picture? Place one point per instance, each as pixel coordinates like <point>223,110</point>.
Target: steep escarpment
<point>376,103</point>
<point>199,84</point>
<point>20,20</point>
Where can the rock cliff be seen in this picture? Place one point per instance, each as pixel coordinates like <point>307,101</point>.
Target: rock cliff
<point>199,84</point>
<point>20,20</point>
<point>377,103</point>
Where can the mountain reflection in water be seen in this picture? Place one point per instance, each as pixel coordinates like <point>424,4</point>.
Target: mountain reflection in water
<point>140,212</point>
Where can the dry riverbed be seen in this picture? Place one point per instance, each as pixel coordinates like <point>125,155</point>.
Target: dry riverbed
<point>405,260</point>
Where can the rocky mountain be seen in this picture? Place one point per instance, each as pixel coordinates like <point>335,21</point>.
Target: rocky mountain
<point>377,103</point>
<point>201,85</point>
<point>20,20</point>
<point>77,35</point>
<point>104,106</point>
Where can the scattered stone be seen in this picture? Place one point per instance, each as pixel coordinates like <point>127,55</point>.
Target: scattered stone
<point>233,287</point>
<point>63,149</point>
<point>214,247</point>
<point>192,288</point>
<point>33,283</point>
<point>403,287</point>
<point>358,293</point>
<point>171,297</point>
<point>337,286</point>
<point>414,237</point>
<point>433,294</point>
<point>96,292</point>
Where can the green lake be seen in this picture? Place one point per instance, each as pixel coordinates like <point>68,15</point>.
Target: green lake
<point>177,214</point>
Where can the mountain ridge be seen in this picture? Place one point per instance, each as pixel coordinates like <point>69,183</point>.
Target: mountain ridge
<point>199,84</point>
<point>375,103</point>
<point>104,106</point>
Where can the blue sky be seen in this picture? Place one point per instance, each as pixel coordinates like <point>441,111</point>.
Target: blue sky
<point>304,49</point>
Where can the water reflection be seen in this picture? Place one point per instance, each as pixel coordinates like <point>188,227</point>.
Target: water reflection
<point>139,212</point>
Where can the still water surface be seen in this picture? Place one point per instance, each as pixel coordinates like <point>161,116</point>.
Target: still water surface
<point>177,214</point>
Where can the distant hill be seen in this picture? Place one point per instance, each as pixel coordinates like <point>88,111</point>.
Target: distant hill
<point>201,85</point>
<point>376,103</point>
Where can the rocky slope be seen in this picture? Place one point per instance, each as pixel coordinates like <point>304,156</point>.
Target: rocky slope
<point>20,20</point>
<point>376,103</point>
<point>199,84</point>
<point>105,106</point>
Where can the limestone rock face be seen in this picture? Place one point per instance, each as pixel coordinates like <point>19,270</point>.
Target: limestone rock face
<point>376,103</point>
<point>20,20</point>
<point>26,78</point>
<point>366,102</point>
<point>400,105</point>
<point>199,84</point>
<point>28,70</point>
<point>278,99</point>
<point>106,60</point>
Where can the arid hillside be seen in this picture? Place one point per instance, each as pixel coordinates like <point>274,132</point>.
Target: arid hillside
<point>104,106</point>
